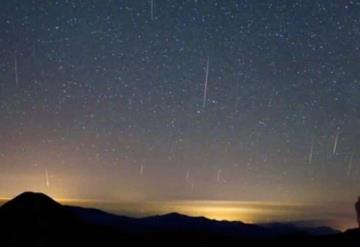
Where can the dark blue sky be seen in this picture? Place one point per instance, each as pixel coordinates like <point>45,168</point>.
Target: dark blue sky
<point>104,99</point>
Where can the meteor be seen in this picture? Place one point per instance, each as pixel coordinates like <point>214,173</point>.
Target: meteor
<point>141,169</point>
<point>336,142</point>
<point>47,181</point>
<point>187,176</point>
<point>350,165</point>
<point>218,176</point>
<point>16,70</point>
<point>152,9</point>
<point>310,158</point>
<point>206,82</point>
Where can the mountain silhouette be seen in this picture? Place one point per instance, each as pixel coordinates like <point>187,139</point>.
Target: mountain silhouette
<point>34,219</point>
<point>291,228</point>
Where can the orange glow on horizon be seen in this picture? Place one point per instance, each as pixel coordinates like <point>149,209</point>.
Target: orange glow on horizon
<point>244,211</point>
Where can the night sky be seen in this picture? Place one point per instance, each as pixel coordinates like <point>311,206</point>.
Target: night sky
<point>196,100</point>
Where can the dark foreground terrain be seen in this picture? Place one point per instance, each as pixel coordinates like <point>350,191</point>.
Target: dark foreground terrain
<point>33,219</point>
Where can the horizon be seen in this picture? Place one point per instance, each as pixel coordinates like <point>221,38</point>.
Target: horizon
<point>250,212</point>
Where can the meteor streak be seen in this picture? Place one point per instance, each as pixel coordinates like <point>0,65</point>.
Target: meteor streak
<point>47,178</point>
<point>350,165</point>
<point>152,9</point>
<point>218,176</point>
<point>141,169</point>
<point>206,82</point>
<point>336,142</point>
<point>16,70</point>
<point>310,158</point>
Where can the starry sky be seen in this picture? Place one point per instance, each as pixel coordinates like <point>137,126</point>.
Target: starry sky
<point>181,100</point>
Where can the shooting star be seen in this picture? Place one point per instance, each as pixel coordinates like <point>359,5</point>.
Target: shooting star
<point>16,70</point>
<point>336,142</point>
<point>187,176</point>
<point>310,158</point>
<point>47,178</point>
<point>141,170</point>
<point>350,165</point>
<point>265,160</point>
<point>206,82</point>
<point>218,176</point>
<point>152,9</point>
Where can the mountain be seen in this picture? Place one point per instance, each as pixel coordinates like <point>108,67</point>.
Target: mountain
<point>179,222</point>
<point>34,219</point>
<point>291,228</point>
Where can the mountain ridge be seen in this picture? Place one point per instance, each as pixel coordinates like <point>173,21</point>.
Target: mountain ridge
<point>37,218</point>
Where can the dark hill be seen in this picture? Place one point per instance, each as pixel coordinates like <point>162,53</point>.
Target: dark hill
<point>34,219</point>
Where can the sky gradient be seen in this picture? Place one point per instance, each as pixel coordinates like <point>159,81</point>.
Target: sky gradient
<point>169,100</point>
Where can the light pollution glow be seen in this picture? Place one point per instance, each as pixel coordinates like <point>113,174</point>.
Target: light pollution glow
<point>245,211</point>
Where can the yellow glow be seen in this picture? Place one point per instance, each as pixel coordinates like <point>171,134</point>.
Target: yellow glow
<point>76,200</point>
<point>248,211</point>
<point>245,211</point>
<point>214,202</point>
<point>5,198</point>
<point>220,212</point>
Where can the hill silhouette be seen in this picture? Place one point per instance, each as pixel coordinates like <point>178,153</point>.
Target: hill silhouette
<point>34,219</point>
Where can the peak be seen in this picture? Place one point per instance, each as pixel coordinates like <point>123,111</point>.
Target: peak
<point>178,216</point>
<point>34,217</point>
<point>32,199</point>
<point>174,214</point>
<point>169,216</point>
<point>31,194</point>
